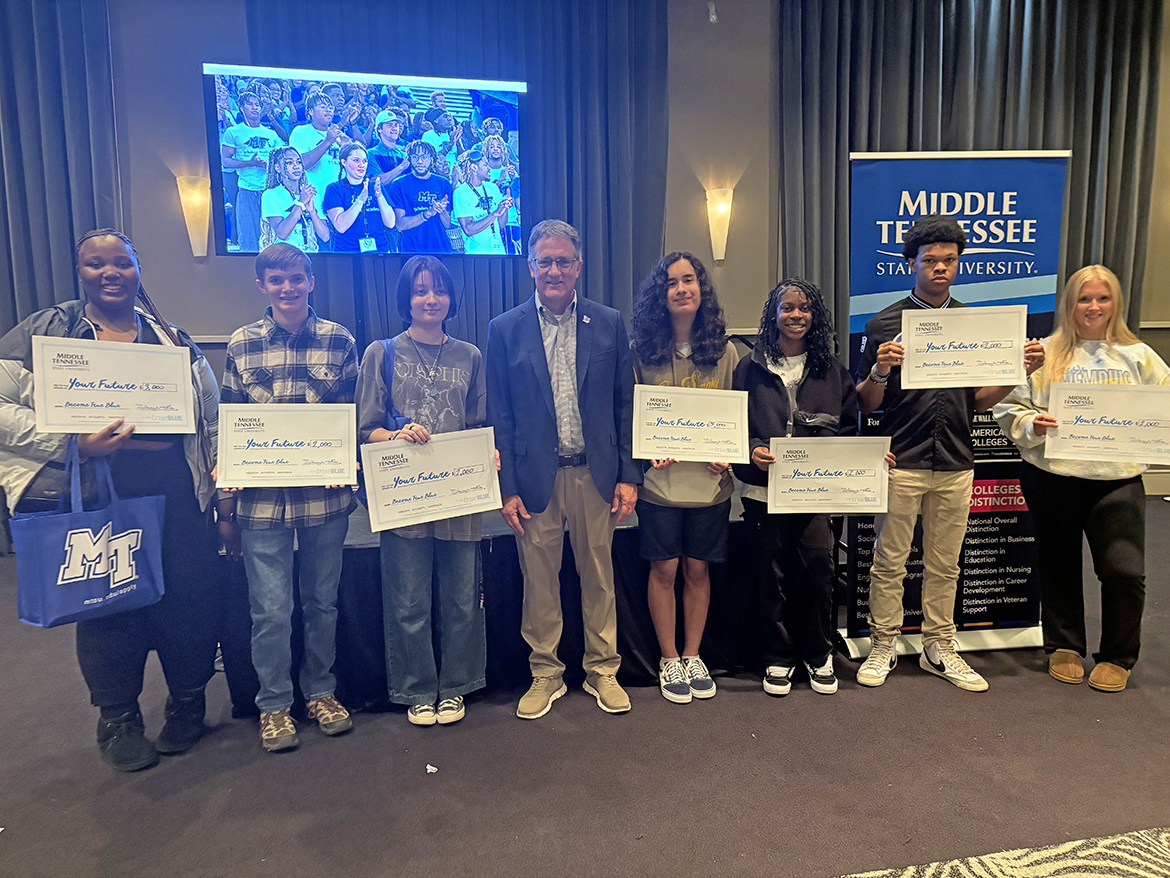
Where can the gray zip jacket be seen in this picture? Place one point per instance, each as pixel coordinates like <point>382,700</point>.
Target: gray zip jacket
<point>24,450</point>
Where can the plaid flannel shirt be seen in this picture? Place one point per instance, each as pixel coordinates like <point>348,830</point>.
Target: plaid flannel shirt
<point>267,364</point>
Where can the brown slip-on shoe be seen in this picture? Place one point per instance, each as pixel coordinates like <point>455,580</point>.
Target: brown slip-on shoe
<point>1066,666</point>
<point>1108,677</point>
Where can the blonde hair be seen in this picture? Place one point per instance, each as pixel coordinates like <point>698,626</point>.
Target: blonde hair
<point>1063,341</point>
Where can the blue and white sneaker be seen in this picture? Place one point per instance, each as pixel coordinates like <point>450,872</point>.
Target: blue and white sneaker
<point>822,678</point>
<point>778,679</point>
<point>673,682</point>
<point>702,686</point>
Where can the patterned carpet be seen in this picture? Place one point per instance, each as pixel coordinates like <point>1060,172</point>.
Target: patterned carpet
<point>1141,854</point>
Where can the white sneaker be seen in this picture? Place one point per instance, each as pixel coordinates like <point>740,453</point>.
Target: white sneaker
<point>778,679</point>
<point>421,715</point>
<point>883,658</point>
<point>673,682</point>
<point>941,660</point>
<point>822,679</point>
<point>450,710</point>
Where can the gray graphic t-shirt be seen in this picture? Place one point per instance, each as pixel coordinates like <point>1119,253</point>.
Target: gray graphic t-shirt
<point>442,387</point>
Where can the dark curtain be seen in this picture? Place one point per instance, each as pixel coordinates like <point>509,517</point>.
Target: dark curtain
<point>593,150</point>
<point>900,75</point>
<point>60,176</point>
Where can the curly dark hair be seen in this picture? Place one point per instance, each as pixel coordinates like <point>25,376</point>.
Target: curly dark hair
<point>933,229</point>
<point>651,331</point>
<point>820,342</point>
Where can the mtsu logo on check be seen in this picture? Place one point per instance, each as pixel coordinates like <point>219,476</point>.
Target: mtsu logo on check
<point>67,360</point>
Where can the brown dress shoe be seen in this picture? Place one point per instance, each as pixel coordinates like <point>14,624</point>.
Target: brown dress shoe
<point>1066,666</point>
<point>1108,677</point>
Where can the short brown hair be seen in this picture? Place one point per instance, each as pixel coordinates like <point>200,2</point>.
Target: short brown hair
<point>281,256</point>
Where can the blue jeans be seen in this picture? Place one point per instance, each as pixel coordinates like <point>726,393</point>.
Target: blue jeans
<point>268,558</point>
<point>409,566</point>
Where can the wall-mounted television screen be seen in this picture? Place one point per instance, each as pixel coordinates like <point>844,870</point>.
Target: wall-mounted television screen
<point>362,163</point>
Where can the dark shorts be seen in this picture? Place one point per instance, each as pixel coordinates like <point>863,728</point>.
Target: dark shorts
<point>666,532</point>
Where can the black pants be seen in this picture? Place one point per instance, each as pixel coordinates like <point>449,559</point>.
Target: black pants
<point>794,584</point>
<point>183,626</point>
<point>1112,514</point>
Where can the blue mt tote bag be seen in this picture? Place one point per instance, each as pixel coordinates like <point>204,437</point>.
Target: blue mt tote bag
<point>73,564</point>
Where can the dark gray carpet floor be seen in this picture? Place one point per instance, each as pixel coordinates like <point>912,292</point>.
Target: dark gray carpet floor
<point>808,785</point>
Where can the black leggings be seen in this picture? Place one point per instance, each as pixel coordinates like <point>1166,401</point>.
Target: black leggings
<point>1112,514</point>
<point>183,626</point>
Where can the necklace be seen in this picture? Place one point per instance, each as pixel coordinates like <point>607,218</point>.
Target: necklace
<point>98,327</point>
<point>433,369</point>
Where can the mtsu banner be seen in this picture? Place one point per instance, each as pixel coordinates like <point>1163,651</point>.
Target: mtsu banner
<point>1010,205</point>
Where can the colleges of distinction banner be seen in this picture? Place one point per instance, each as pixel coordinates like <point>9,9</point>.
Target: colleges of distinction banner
<point>1010,206</point>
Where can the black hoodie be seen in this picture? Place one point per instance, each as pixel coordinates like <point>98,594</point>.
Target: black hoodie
<point>824,407</point>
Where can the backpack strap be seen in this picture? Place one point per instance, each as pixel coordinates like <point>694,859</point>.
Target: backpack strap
<point>395,420</point>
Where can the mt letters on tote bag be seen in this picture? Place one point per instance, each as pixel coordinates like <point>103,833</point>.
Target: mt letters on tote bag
<point>75,565</point>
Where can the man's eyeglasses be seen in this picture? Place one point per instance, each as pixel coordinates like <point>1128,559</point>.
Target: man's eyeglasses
<point>564,263</point>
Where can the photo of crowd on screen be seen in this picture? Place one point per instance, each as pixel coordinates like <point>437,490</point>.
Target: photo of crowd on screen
<point>280,150</point>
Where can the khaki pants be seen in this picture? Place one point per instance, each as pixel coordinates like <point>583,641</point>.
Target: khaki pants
<point>945,499</point>
<point>574,500</point>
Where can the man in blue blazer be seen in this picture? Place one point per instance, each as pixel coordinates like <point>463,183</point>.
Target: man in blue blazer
<point>560,397</point>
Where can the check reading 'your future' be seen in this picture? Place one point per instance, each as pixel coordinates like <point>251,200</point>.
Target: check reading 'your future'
<point>690,423</point>
<point>964,347</point>
<point>83,385</point>
<point>287,446</point>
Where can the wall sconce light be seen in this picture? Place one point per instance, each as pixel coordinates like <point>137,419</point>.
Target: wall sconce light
<point>719,218</point>
<point>195,195</point>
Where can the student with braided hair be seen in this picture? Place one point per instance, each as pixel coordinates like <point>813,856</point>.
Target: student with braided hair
<point>182,626</point>
<point>288,208</point>
<point>503,172</point>
<point>796,387</point>
<point>480,208</point>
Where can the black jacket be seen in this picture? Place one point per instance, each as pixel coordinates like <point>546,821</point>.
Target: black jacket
<point>825,407</point>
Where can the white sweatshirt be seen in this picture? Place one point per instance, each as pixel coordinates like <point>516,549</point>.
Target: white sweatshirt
<point>1093,362</point>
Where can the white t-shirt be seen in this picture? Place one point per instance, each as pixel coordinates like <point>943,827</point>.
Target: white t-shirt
<point>476,205</point>
<point>278,202</point>
<point>513,215</point>
<point>435,139</point>
<point>249,143</point>
<point>790,370</point>
<point>306,138</point>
